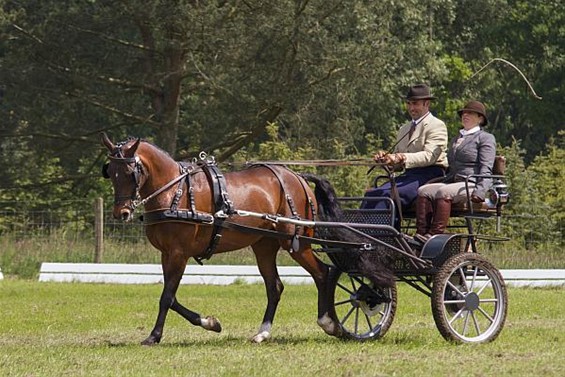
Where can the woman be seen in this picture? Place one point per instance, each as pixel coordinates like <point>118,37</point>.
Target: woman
<point>471,152</point>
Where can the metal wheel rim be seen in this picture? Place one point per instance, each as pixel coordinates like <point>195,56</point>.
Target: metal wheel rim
<point>359,317</point>
<point>480,300</point>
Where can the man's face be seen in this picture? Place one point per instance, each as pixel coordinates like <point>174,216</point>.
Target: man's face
<point>417,108</point>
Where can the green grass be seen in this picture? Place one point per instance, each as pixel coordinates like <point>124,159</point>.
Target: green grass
<point>50,329</point>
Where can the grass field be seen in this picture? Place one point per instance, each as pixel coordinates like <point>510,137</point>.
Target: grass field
<point>50,329</point>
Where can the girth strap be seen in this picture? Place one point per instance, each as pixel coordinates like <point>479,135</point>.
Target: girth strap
<point>223,207</point>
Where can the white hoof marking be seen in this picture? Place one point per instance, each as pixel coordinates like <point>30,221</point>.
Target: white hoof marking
<point>261,337</point>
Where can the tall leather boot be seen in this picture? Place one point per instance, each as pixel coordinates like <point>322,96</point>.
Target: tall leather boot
<point>441,216</point>
<point>424,214</point>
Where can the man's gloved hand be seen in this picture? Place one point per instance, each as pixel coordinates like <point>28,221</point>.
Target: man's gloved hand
<point>395,159</point>
<point>379,156</point>
<point>476,199</point>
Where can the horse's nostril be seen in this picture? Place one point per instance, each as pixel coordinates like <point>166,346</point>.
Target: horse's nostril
<point>125,214</point>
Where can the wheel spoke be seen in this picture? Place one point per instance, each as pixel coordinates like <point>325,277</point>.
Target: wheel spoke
<point>486,284</point>
<point>487,315</point>
<point>475,271</point>
<point>463,279</point>
<point>345,288</point>
<point>455,288</point>
<point>488,300</point>
<point>447,302</point>
<point>476,323</point>
<point>466,322</point>
<point>346,316</point>
<point>455,316</point>
<point>347,301</point>
<point>357,321</point>
<point>353,285</point>
<point>368,322</point>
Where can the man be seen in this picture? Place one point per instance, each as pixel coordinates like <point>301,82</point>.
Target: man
<point>420,149</point>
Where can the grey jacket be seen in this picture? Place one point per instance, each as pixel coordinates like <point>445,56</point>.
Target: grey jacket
<point>474,155</point>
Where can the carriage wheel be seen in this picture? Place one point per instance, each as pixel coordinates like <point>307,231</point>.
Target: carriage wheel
<point>469,299</point>
<point>364,311</point>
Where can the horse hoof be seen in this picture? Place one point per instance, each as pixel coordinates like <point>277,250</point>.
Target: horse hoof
<point>261,337</point>
<point>330,326</point>
<point>211,324</point>
<point>150,341</point>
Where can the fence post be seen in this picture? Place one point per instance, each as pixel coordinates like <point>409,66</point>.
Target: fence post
<point>98,230</point>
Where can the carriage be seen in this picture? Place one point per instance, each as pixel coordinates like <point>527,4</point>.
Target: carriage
<point>193,210</point>
<point>467,292</point>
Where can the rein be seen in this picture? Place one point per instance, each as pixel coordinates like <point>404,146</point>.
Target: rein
<point>353,162</point>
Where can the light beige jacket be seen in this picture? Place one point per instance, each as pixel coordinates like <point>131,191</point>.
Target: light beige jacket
<point>427,146</point>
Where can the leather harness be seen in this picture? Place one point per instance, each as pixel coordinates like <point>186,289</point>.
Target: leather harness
<point>222,206</point>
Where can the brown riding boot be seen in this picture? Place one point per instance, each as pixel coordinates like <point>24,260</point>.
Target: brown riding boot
<point>424,214</point>
<point>441,216</point>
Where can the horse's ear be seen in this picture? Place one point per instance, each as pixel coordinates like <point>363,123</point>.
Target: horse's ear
<point>131,150</point>
<point>105,170</point>
<point>107,142</point>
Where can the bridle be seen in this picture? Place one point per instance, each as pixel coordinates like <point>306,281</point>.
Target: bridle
<point>135,165</point>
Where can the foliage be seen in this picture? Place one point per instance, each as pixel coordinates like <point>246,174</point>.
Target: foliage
<point>249,80</point>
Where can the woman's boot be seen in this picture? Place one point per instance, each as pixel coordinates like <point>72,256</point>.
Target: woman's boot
<point>441,216</point>
<point>424,214</point>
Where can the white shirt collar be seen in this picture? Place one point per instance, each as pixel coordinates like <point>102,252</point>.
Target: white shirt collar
<point>465,132</point>
<point>417,121</point>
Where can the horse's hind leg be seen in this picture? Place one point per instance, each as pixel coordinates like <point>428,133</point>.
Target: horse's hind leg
<point>173,269</point>
<point>327,318</point>
<point>266,254</point>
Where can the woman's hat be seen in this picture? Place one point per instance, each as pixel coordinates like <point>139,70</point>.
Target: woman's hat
<point>475,107</point>
<point>420,91</point>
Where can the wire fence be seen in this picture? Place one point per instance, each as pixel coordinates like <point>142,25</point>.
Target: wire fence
<point>70,220</point>
<point>76,221</point>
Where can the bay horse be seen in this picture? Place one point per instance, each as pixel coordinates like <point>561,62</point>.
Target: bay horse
<point>140,172</point>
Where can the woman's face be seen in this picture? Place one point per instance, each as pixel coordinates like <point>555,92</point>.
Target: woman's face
<point>470,119</point>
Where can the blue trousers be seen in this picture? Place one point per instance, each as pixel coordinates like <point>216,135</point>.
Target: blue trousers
<point>407,185</point>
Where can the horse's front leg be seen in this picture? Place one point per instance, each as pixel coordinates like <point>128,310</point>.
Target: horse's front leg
<point>165,302</point>
<point>173,269</point>
<point>266,254</point>
<point>209,323</point>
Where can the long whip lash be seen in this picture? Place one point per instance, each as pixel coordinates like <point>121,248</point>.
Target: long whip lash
<point>513,66</point>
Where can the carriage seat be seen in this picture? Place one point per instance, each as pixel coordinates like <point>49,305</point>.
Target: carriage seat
<point>461,209</point>
<point>467,207</point>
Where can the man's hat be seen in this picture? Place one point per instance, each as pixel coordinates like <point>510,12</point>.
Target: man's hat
<point>420,91</point>
<point>475,107</point>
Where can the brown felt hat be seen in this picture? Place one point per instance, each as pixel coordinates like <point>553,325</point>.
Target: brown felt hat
<point>475,107</point>
<point>420,91</point>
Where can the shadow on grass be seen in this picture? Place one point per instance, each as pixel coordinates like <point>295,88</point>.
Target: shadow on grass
<point>399,339</point>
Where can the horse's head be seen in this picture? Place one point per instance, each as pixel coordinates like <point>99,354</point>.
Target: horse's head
<point>126,172</point>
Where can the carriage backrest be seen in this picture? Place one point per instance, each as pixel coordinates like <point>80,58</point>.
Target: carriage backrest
<point>499,167</point>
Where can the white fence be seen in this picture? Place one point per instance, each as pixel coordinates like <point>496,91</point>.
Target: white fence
<point>223,275</point>
<point>152,273</point>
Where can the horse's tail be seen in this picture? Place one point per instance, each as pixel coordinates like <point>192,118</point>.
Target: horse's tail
<point>328,206</point>
<point>377,267</point>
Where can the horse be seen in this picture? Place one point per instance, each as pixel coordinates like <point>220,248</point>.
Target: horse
<point>182,221</point>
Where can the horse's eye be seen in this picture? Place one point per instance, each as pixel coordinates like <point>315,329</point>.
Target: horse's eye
<point>105,170</point>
